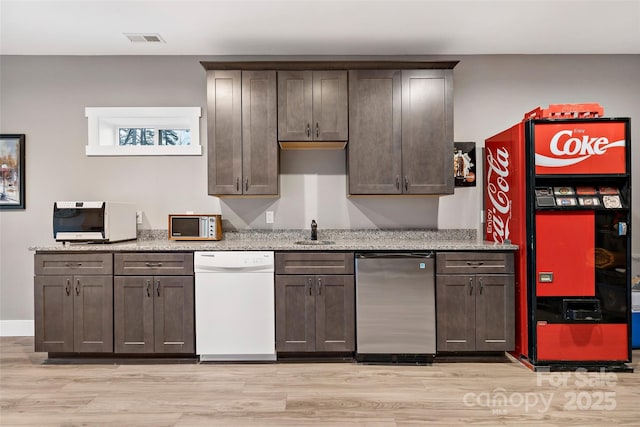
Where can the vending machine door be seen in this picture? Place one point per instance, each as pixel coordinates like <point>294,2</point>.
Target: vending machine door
<point>565,253</point>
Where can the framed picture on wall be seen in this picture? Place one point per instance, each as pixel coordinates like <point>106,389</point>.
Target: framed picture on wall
<point>464,164</point>
<point>12,171</point>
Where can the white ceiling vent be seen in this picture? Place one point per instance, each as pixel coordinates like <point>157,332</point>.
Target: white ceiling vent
<point>144,38</point>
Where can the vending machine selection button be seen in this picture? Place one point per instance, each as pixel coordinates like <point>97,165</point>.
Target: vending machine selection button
<point>566,201</point>
<point>545,277</point>
<point>611,202</point>
<point>622,229</point>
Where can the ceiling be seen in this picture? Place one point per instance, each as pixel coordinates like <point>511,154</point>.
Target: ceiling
<point>320,27</point>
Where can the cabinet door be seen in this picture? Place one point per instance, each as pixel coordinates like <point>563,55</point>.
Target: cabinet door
<point>374,149</point>
<point>455,312</point>
<point>53,313</point>
<point>224,132</point>
<point>427,131</point>
<point>295,313</point>
<point>495,312</point>
<point>330,106</point>
<point>93,314</point>
<point>335,313</point>
<point>174,329</point>
<point>133,314</point>
<point>259,133</point>
<point>295,95</point>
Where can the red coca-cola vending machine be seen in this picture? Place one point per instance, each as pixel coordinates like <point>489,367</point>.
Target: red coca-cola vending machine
<point>558,184</point>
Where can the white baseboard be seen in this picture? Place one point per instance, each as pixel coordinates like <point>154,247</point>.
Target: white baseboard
<point>16,328</point>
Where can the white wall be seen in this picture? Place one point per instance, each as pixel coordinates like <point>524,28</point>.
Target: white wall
<point>44,97</point>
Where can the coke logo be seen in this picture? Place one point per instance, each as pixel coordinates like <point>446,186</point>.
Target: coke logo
<point>498,193</point>
<point>571,149</point>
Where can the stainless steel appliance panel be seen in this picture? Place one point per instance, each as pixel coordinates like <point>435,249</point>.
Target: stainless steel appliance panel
<point>395,303</point>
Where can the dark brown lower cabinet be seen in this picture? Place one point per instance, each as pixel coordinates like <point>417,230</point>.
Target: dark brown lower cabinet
<point>315,313</point>
<point>154,314</point>
<point>475,312</point>
<point>73,313</point>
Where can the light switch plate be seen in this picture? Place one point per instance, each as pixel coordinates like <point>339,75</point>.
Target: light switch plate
<point>139,217</point>
<point>269,217</point>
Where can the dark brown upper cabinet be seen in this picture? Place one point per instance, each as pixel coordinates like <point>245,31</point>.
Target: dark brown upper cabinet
<point>242,132</point>
<point>375,144</point>
<point>401,132</point>
<point>312,106</point>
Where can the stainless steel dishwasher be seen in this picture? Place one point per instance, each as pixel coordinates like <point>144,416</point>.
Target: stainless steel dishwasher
<point>395,305</point>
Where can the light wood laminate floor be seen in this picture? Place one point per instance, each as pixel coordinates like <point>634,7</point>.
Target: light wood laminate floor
<point>298,394</point>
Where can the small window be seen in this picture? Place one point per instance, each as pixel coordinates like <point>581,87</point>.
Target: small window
<point>136,136</point>
<point>143,131</point>
<point>175,137</point>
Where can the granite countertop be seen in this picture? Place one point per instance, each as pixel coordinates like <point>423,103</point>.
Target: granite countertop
<point>285,240</point>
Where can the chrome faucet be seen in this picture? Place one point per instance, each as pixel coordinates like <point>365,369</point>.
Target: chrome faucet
<point>314,230</point>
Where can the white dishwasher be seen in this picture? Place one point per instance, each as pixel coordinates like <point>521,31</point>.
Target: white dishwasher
<point>235,309</point>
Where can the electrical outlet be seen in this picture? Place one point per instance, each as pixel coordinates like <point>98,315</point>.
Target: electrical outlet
<point>139,217</point>
<point>269,217</point>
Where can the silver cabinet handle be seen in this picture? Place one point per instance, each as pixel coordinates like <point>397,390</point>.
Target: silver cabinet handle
<point>480,282</point>
<point>319,286</point>
<point>310,280</point>
<point>78,287</point>
<point>246,184</point>
<point>153,264</point>
<point>397,182</point>
<point>475,263</point>
<point>317,130</point>
<point>148,288</point>
<point>158,287</point>
<point>406,183</point>
<point>470,285</point>
<point>237,184</point>
<point>73,264</point>
<point>67,288</point>
<point>308,130</point>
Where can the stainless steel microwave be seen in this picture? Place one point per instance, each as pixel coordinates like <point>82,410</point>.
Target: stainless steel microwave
<point>195,227</point>
<point>97,221</point>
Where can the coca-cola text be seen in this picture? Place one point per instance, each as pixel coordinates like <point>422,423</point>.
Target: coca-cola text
<point>498,192</point>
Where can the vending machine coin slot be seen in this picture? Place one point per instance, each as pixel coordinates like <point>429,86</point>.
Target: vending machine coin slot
<point>544,197</point>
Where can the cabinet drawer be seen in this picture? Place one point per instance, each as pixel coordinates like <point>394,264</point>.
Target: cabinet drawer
<point>314,262</point>
<point>76,263</point>
<point>153,263</point>
<point>474,262</point>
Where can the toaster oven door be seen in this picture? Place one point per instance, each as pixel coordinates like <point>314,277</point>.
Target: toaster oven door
<point>78,222</point>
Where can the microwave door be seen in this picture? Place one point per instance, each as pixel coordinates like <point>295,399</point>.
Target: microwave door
<point>185,227</point>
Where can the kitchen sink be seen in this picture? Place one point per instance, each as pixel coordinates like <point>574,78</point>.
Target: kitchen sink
<point>315,242</point>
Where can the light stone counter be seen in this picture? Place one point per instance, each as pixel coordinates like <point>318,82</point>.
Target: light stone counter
<point>285,240</point>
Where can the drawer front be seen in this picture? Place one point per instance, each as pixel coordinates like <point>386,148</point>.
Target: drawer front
<point>153,263</point>
<point>474,262</point>
<point>76,263</point>
<point>314,262</point>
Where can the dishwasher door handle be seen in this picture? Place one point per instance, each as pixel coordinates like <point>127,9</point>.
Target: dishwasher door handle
<point>397,255</point>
